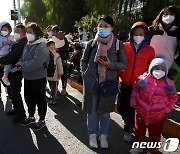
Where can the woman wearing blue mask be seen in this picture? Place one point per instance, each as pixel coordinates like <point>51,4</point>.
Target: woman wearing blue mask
<point>99,64</point>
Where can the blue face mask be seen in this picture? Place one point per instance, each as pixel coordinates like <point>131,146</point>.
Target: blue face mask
<point>104,32</point>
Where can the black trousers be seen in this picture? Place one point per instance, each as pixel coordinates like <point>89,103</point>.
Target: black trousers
<point>14,91</point>
<point>1,75</point>
<point>54,87</point>
<point>35,94</point>
<point>126,111</point>
<point>64,77</point>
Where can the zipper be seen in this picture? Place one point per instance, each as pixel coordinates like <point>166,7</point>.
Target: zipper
<point>133,67</point>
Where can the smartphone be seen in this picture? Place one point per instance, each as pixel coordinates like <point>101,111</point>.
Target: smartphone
<point>103,58</point>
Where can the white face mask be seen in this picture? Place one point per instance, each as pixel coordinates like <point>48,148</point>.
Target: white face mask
<point>158,74</point>
<point>30,37</point>
<point>58,43</point>
<point>138,39</point>
<point>50,33</point>
<point>4,33</point>
<point>168,19</point>
<point>16,37</point>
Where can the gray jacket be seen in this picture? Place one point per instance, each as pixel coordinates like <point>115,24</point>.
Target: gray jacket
<point>89,73</point>
<point>34,60</point>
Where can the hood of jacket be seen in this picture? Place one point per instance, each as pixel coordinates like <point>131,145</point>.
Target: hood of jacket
<point>4,23</point>
<point>145,27</point>
<point>158,61</point>
<point>41,40</point>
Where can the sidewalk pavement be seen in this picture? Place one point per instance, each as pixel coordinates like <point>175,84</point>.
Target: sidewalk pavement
<point>65,133</point>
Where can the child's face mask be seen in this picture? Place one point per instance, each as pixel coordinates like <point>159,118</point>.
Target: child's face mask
<point>158,74</point>
<point>138,39</point>
<point>138,35</point>
<point>4,33</point>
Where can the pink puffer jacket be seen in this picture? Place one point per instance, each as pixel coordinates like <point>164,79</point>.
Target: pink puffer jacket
<point>153,101</point>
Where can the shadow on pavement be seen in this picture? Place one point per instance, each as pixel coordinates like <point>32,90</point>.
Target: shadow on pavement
<point>17,139</point>
<point>73,118</point>
<point>47,143</point>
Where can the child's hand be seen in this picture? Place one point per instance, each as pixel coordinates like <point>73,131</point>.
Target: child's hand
<point>9,42</point>
<point>19,66</point>
<point>4,43</point>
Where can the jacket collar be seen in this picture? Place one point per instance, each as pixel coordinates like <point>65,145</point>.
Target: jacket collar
<point>41,40</point>
<point>171,29</point>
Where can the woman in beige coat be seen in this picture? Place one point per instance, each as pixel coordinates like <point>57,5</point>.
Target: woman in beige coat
<point>55,70</point>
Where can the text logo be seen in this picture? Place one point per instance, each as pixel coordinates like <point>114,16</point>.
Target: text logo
<point>170,145</point>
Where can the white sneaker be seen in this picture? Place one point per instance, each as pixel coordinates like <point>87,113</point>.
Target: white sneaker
<point>63,92</point>
<point>103,141</point>
<point>135,151</point>
<point>127,137</point>
<point>5,80</point>
<point>148,153</point>
<point>93,141</point>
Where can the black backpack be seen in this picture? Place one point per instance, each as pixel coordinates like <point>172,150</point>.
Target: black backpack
<point>51,67</point>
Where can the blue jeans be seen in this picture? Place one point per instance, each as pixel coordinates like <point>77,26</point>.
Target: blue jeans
<point>92,118</point>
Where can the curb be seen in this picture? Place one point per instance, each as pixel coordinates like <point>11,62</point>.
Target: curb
<point>171,127</point>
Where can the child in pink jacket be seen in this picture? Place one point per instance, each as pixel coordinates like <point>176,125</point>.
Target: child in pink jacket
<point>153,96</point>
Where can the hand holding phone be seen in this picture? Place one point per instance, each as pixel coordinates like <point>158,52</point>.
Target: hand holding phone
<point>103,58</point>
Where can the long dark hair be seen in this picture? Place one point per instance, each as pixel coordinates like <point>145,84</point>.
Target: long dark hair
<point>36,29</point>
<point>171,9</point>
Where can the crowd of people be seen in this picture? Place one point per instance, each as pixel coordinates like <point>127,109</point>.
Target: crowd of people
<point>140,72</point>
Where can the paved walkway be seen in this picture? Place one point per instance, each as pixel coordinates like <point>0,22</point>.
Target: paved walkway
<point>65,132</point>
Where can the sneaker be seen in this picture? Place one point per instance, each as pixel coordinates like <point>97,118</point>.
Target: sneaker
<point>12,112</point>
<point>148,153</point>
<point>127,137</point>
<point>51,102</point>
<point>135,151</point>
<point>39,125</point>
<point>103,141</point>
<point>63,92</point>
<point>28,121</point>
<point>93,141</point>
<point>19,118</point>
<point>5,80</point>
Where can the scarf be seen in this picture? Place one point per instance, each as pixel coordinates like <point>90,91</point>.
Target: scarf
<point>104,44</point>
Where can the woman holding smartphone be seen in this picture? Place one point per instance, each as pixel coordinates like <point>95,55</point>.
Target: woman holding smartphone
<point>100,63</point>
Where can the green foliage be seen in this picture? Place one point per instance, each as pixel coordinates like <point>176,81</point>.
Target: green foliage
<point>88,23</point>
<point>34,11</point>
<point>71,14</point>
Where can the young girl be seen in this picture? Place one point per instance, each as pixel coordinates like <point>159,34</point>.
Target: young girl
<point>152,96</point>
<point>139,56</point>
<point>56,69</point>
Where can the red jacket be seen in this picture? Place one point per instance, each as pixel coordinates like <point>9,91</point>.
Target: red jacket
<point>138,63</point>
